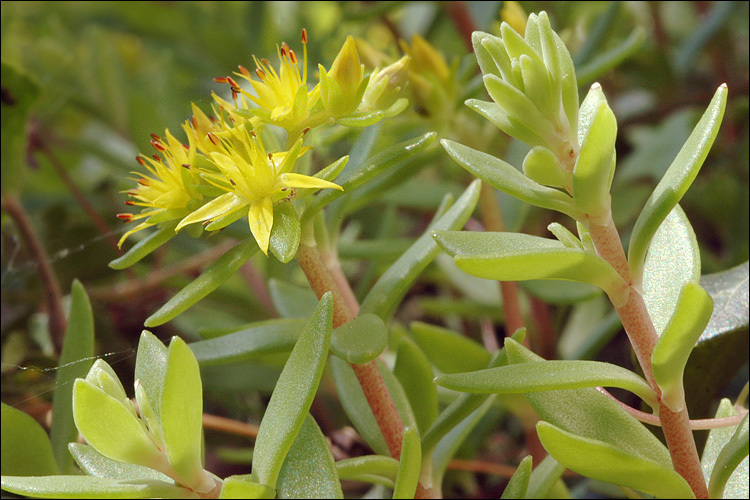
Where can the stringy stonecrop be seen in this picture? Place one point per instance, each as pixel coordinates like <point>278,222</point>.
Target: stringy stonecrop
<point>225,173</point>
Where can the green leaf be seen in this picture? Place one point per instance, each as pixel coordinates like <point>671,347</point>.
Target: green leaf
<point>692,312</point>
<point>737,484</point>
<point>519,106</point>
<point>290,300</point>
<point>355,173</point>
<point>544,477</point>
<point>409,467</point>
<point>309,470</point>
<point>91,487</point>
<point>75,361</point>
<point>26,449</point>
<point>388,292</point>
<point>549,375</point>
<point>729,291</point>
<point>506,178</point>
<point>94,463</point>
<point>356,406</point>
<point>285,233</point>
<point>244,487</point>
<point>730,457</point>
<point>589,413</point>
<point>360,340</point>
<point>464,405</point>
<point>20,93</point>
<point>258,339</point>
<point>182,416</point>
<point>673,260</point>
<point>144,247</point>
<point>517,257</point>
<point>675,182</point>
<point>415,374</point>
<point>595,165</point>
<point>361,119</point>
<point>209,280</point>
<point>540,165</point>
<point>606,462</point>
<point>367,468</point>
<point>507,122</point>
<point>447,350</point>
<point>519,481</point>
<point>151,368</point>
<point>293,395</point>
<point>111,428</point>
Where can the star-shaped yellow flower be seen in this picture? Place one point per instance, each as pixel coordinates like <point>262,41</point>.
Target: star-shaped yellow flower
<point>253,181</point>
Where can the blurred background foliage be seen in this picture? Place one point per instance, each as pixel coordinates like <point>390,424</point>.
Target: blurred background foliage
<point>111,73</point>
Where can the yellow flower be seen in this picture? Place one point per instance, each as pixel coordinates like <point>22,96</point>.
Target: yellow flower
<point>283,97</point>
<point>252,180</point>
<point>170,193</point>
<point>342,87</point>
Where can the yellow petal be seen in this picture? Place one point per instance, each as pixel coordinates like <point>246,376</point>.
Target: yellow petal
<point>306,181</point>
<point>219,206</point>
<point>260,217</point>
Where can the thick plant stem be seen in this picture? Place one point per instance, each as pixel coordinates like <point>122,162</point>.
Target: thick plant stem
<point>643,338</point>
<point>368,374</point>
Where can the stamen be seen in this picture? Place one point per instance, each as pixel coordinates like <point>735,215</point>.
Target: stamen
<point>261,74</point>
<point>144,182</point>
<point>212,137</point>
<point>265,62</point>
<point>304,35</point>
<point>232,82</point>
<point>158,145</point>
<point>293,57</point>
<point>130,203</point>
<point>156,137</point>
<point>232,182</point>
<point>305,130</point>
<point>125,217</point>
<point>213,120</point>
<point>186,165</point>
<point>194,122</point>
<point>244,71</point>
<point>221,79</point>
<point>252,132</point>
<point>186,146</point>
<point>140,161</point>
<point>156,157</point>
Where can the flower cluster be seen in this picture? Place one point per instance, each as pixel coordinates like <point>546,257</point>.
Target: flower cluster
<point>225,173</point>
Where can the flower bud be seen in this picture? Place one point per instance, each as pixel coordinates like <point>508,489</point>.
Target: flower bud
<point>386,84</point>
<point>342,87</point>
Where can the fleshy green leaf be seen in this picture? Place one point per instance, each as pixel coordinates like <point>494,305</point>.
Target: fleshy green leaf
<point>366,468</point>
<point>506,178</point>
<point>546,376</point>
<point>517,257</point>
<point>519,481</point>
<point>540,165</point>
<point>258,339</point>
<point>285,233</point>
<point>92,487</point>
<point>144,247</point>
<point>151,368</point>
<point>544,477</point>
<point>75,361</point>
<point>20,93</point>
<point>360,340</point>
<point>737,484</point>
<point>673,260</point>
<point>293,395</point>
<point>94,463</point>
<point>730,457</point>
<point>595,166</point>
<point>110,428</point>
<point>309,470</point>
<point>26,449</point>
<point>415,374</point>
<point>182,416</point>
<point>609,463</point>
<point>407,477</point>
<point>729,290</point>
<point>214,275</point>
<point>675,182</point>
<point>244,487</point>
<point>692,312</point>
<point>589,413</point>
<point>447,350</point>
<point>355,173</point>
<point>506,122</point>
<point>386,295</point>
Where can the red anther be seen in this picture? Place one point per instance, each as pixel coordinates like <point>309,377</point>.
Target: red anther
<point>261,74</point>
<point>265,62</point>
<point>213,120</point>
<point>140,161</point>
<point>144,182</point>
<point>285,47</point>
<point>155,137</point>
<point>158,145</point>
<point>156,157</point>
<point>232,182</point>
<point>252,132</point>
<point>185,146</point>
<point>194,122</point>
<point>220,79</point>
<point>132,193</point>
<point>125,217</point>
<point>212,137</point>
<point>232,82</point>
<point>305,130</point>
<point>186,165</point>
<point>130,202</point>
<point>206,222</point>
<point>244,70</point>
<point>270,156</point>
<point>304,35</point>
<point>293,57</point>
